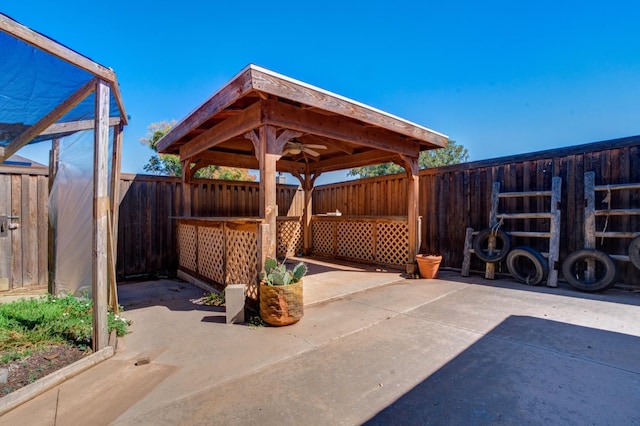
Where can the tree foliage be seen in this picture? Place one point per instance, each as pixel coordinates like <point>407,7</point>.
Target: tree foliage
<point>452,154</point>
<point>169,164</point>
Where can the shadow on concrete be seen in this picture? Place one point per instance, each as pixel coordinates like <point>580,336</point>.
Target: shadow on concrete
<point>216,319</point>
<point>318,265</point>
<point>529,371</point>
<point>174,294</point>
<point>612,295</point>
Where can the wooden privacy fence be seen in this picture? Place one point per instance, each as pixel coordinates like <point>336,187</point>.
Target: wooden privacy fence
<point>457,197</point>
<point>452,199</point>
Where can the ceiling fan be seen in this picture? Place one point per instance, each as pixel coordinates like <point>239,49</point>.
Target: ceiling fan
<point>295,147</point>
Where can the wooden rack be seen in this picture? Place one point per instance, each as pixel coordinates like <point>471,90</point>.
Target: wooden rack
<point>590,213</point>
<point>495,217</point>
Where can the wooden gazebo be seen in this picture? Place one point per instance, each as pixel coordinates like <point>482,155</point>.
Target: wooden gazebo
<point>266,121</point>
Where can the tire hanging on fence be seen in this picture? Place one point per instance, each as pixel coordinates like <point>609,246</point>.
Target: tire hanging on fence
<point>540,265</point>
<point>481,241</point>
<point>574,270</point>
<point>634,252</point>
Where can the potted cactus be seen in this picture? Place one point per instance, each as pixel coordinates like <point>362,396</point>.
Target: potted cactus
<point>281,300</point>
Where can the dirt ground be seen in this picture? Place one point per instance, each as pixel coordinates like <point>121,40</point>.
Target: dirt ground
<point>39,364</point>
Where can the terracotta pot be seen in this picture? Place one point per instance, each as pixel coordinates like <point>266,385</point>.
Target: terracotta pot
<point>428,265</point>
<point>281,304</point>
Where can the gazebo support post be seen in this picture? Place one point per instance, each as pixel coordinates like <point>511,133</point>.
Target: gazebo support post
<point>267,154</point>
<point>410,165</point>
<point>307,181</point>
<point>100,210</point>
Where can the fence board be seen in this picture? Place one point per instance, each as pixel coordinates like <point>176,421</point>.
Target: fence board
<point>16,235</point>
<point>42,231</point>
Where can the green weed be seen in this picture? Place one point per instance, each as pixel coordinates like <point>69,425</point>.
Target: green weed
<point>255,321</point>
<point>214,299</point>
<point>29,324</point>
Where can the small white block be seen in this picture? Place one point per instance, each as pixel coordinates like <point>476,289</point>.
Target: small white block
<point>234,295</point>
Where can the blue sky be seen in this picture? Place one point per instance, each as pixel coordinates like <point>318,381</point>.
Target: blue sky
<point>499,77</point>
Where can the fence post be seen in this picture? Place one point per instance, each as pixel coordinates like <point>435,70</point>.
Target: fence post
<point>490,268</point>
<point>466,263</point>
<point>554,239</point>
<point>590,220</point>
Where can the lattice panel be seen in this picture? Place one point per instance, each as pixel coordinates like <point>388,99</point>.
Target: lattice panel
<point>187,244</point>
<point>242,260</point>
<point>355,240</point>
<point>393,243</point>
<point>290,238</point>
<point>323,237</point>
<point>211,253</point>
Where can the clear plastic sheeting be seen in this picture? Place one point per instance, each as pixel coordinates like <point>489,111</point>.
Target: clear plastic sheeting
<point>33,83</point>
<point>71,215</point>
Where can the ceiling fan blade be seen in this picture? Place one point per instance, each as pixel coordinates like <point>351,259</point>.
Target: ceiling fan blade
<point>310,151</point>
<point>314,146</point>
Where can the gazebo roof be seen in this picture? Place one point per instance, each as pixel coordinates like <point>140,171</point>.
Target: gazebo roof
<point>335,132</point>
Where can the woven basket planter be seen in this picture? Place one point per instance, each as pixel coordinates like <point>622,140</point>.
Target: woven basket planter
<point>281,304</point>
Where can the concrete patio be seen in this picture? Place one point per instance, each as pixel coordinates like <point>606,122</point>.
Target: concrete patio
<point>387,351</point>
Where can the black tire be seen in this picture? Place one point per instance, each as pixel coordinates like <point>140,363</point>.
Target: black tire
<point>523,271</point>
<point>574,266</point>
<point>481,246</point>
<point>634,252</point>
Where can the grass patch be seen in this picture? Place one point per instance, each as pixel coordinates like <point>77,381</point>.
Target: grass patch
<point>27,325</point>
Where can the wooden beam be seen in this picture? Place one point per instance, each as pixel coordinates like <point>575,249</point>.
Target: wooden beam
<point>48,45</point>
<point>76,126</point>
<point>229,160</point>
<point>246,120</point>
<point>112,246</point>
<point>291,166</point>
<point>115,88</point>
<point>100,211</point>
<point>238,87</point>
<point>285,137</point>
<point>335,127</point>
<point>112,285</point>
<point>355,160</point>
<point>281,86</point>
<point>54,158</point>
<point>116,160</point>
<point>255,140</point>
<point>340,146</point>
<point>53,116</point>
